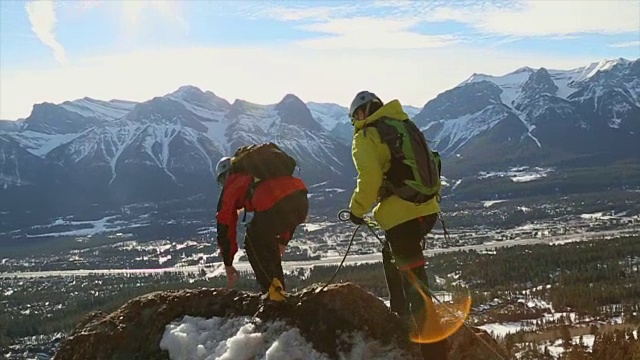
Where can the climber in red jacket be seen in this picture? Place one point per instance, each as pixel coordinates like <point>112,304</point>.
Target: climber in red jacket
<point>279,204</point>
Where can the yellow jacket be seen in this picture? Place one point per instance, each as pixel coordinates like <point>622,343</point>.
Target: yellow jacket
<point>372,159</point>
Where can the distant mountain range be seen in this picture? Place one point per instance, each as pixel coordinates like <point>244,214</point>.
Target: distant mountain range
<point>589,115</point>
<point>90,156</point>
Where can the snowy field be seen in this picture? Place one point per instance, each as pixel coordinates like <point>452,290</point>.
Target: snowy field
<point>518,174</point>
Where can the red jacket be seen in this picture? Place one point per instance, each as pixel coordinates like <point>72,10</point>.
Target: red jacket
<point>234,197</point>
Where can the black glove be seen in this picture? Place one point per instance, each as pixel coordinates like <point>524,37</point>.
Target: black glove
<point>354,219</point>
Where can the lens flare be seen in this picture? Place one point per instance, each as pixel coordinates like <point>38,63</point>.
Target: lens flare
<point>439,320</point>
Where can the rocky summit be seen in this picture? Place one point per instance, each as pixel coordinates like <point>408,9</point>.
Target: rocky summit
<point>324,317</point>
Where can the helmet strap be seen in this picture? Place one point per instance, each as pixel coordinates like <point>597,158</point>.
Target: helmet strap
<point>223,178</point>
<point>366,110</point>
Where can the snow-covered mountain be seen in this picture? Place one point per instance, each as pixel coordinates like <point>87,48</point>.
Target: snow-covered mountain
<point>109,110</point>
<point>115,153</point>
<point>539,115</point>
<point>92,156</point>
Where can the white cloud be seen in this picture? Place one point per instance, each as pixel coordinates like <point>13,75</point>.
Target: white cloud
<point>296,14</point>
<point>372,33</point>
<point>353,26</point>
<point>264,75</point>
<point>42,16</point>
<point>293,11</point>
<point>43,19</point>
<point>547,18</point>
<point>134,12</point>
<point>393,26</point>
<point>627,44</point>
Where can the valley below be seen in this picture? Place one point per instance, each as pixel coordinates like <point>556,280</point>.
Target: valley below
<point>50,282</point>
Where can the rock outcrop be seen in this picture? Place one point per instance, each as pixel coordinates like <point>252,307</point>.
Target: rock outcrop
<point>135,330</point>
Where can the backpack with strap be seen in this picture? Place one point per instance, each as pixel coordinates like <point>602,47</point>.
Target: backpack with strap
<point>415,170</point>
<point>263,161</point>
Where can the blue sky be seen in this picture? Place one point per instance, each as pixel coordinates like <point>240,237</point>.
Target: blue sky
<point>322,51</point>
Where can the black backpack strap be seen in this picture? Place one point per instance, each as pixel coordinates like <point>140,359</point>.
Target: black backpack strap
<point>392,138</point>
<point>394,141</point>
<point>249,195</point>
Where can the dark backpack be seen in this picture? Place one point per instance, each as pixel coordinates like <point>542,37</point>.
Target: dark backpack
<point>414,174</point>
<point>263,161</point>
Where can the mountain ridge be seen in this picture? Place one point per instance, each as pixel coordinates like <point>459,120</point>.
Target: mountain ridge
<point>106,155</point>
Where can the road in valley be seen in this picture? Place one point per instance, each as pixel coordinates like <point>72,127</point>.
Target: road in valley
<point>351,259</point>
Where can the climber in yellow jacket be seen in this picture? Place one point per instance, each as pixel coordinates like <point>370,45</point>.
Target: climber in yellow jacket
<point>405,223</point>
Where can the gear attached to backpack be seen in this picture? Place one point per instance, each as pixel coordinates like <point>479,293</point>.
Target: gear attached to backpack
<point>415,170</point>
<point>263,161</point>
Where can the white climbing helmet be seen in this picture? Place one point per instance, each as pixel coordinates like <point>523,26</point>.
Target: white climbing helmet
<point>222,168</point>
<point>362,98</point>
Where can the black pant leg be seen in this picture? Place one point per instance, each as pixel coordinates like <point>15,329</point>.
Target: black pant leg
<point>397,300</point>
<point>273,260</point>
<point>410,251</point>
<point>403,245</point>
<point>405,240</point>
<point>263,232</point>
<point>414,292</point>
<point>265,259</point>
<point>253,254</point>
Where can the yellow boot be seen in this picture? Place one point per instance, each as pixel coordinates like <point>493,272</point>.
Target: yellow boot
<point>276,291</point>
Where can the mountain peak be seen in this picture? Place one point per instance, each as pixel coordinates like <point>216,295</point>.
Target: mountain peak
<point>476,77</point>
<point>612,62</point>
<point>522,72</point>
<point>43,106</point>
<point>605,65</point>
<point>50,118</point>
<point>157,108</point>
<point>193,92</point>
<point>538,84</point>
<point>240,105</point>
<point>47,110</point>
<point>524,69</point>
<point>294,111</point>
<point>586,72</point>
<point>290,98</point>
<point>205,104</point>
<point>187,90</point>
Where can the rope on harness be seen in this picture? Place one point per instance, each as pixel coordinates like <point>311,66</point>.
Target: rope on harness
<point>353,236</point>
<point>444,227</point>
